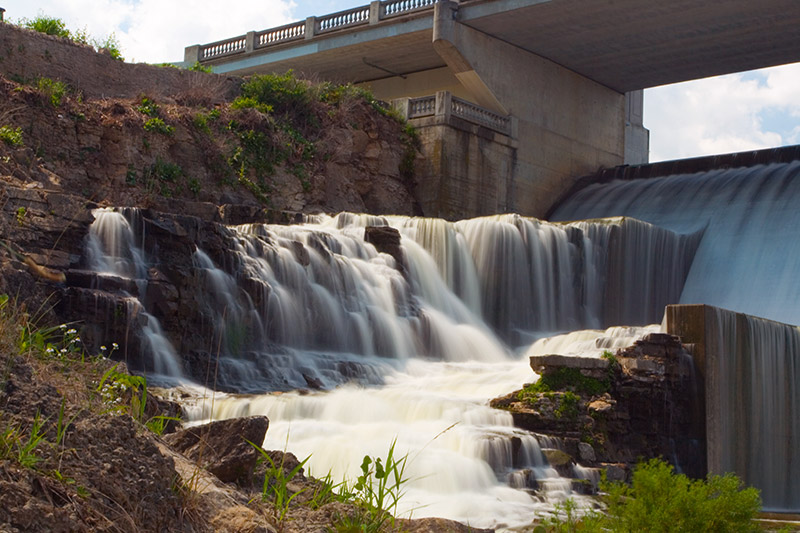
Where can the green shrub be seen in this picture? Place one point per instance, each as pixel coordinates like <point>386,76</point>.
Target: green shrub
<point>148,107</point>
<point>247,102</point>
<point>157,125</point>
<point>54,90</point>
<point>163,177</point>
<point>200,121</point>
<point>197,67</point>
<point>57,27</point>
<point>11,136</point>
<point>284,93</point>
<point>47,25</point>
<point>110,45</point>
<point>660,501</point>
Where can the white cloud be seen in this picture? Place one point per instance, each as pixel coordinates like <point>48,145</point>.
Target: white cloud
<point>723,114</point>
<point>155,31</point>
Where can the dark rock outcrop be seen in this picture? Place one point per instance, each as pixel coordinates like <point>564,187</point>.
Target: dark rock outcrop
<point>222,447</point>
<point>386,239</point>
<point>642,402</point>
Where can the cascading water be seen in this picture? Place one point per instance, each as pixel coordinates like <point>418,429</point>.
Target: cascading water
<point>748,260</point>
<point>113,251</point>
<point>417,350</point>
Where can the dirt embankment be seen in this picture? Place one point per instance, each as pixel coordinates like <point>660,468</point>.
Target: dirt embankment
<point>122,134</point>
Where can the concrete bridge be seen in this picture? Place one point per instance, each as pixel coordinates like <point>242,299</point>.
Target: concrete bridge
<point>516,99</point>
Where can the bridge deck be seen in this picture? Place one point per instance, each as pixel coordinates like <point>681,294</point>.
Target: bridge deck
<point>625,45</point>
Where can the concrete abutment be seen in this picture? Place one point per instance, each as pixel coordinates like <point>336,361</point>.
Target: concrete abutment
<point>565,126</point>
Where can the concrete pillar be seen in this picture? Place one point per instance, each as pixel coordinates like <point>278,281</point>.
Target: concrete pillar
<point>249,42</point>
<point>567,125</point>
<point>311,27</point>
<point>375,12</point>
<point>444,106</point>
<point>637,137</point>
<point>402,107</point>
<point>191,54</point>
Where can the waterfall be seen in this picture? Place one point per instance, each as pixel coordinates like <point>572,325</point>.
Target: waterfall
<point>113,250</point>
<point>748,258</point>
<point>411,351</point>
<point>752,378</point>
<point>465,460</point>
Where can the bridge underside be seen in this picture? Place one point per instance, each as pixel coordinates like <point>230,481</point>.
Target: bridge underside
<point>625,44</point>
<point>563,78</point>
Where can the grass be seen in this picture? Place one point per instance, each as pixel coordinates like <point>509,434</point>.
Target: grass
<point>376,493</point>
<point>276,482</point>
<point>15,446</point>
<point>118,392</point>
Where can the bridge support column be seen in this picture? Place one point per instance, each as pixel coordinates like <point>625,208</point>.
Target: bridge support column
<point>568,125</point>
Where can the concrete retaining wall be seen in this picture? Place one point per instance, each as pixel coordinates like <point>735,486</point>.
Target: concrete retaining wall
<point>750,368</point>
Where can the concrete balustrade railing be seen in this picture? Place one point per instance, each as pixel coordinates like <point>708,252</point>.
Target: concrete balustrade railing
<point>421,107</point>
<point>443,105</point>
<point>481,115</point>
<point>399,7</point>
<point>343,19</point>
<point>222,48</point>
<point>374,13</point>
<point>282,34</point>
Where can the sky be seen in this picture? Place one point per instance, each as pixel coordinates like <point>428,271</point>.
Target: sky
<point>736,112</point>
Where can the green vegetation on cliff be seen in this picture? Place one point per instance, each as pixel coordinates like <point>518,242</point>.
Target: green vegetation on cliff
<point>58,28</point>
<point>659,500</point>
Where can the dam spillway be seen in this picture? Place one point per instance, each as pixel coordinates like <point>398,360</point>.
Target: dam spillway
<point>749,258</point>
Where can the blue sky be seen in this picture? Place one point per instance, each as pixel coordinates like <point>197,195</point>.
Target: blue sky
<point>745,111</point>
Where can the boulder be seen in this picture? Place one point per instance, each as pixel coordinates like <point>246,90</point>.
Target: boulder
<point>386,240</point>
<point>222,447</point>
